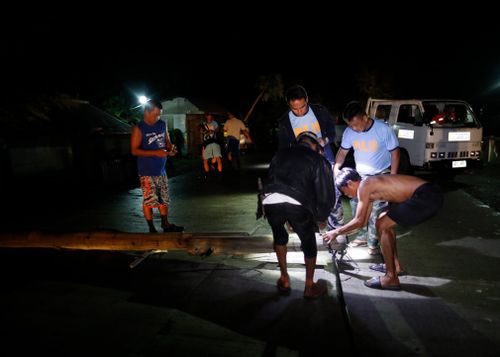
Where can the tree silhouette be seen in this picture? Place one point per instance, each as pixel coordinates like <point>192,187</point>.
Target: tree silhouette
<point>118,106</point>
<point>270,88</point>
<point>372,83</point>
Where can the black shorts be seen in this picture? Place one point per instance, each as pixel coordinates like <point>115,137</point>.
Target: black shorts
<point>423,204</point>
<point>301,221</point>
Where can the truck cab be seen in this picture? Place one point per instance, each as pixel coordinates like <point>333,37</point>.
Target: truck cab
<point>432,133</point>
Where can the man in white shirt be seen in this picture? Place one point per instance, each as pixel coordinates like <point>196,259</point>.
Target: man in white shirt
<point>376,151</point>
<point>233,128</point>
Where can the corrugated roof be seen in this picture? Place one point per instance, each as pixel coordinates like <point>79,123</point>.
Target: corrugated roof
<point>69,116</point>
<point>99,120</point>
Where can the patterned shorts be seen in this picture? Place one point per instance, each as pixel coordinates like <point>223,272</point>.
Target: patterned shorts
<point>155,191</point>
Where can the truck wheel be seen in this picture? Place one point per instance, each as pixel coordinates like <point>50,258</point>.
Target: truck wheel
<point>405,167</point>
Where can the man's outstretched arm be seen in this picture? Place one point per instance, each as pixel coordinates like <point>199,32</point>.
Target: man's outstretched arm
<point>360,219</point>
<point>339,160</point>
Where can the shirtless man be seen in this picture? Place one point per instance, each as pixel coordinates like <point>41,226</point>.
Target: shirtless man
<point>411,201</point>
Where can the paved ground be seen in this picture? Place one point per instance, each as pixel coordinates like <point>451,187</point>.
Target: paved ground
<point>81,302</point>
<point>77,303</point>
<point>483,184</point>
<point>450,301</point>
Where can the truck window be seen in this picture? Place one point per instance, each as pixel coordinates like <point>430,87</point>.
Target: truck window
<point>459,111</point>
<point>430,110</point>
<point>382,112</point>
<point>409,113</point>
<point>449,114</point>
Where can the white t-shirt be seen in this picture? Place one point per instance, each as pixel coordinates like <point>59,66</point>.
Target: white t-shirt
<point>276,197</point>
<point>213,125</point>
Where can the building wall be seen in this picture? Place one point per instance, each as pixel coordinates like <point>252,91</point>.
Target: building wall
<point>180,113</point>
<point>194,139</point>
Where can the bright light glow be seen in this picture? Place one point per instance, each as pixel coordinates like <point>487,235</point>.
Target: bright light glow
<point>143,99</point>
<point>405,134</point>
<point>258,166</point>
<point>459,136</point>
<point>460,163</point>
<point>359,254</point>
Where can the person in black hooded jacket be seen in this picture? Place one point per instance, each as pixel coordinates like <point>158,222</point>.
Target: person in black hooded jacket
<point>299,190</point>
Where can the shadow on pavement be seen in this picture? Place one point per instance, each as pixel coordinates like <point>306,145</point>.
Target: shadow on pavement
<point>234,296</point>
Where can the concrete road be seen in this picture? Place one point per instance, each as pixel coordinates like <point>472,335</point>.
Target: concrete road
<point>227,306</point>
<point>93,303</point>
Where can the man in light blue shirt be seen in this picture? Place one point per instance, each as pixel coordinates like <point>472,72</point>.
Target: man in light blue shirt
<point>376,151</point>
<point>303,116</point>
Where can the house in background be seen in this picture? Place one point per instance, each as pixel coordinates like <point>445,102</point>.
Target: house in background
<point>66,139</point>
<point>184,115</point>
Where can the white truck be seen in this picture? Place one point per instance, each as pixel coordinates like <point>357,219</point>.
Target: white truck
<point>432,133</point>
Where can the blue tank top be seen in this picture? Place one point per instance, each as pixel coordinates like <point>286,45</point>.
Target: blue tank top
<point>153,138</point>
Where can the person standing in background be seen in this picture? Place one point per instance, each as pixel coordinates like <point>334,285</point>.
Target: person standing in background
<point>211,151</point>
<point>233,128</point>
<point>151,144</point>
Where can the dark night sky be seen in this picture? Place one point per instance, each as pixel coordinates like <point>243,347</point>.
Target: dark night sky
<point>220,57</point>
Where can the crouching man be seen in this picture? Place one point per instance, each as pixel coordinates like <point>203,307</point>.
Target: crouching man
<point>300,191</point>
<point>411,201</point>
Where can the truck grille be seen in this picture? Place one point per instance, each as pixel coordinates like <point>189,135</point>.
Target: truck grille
<point>455,155</point>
